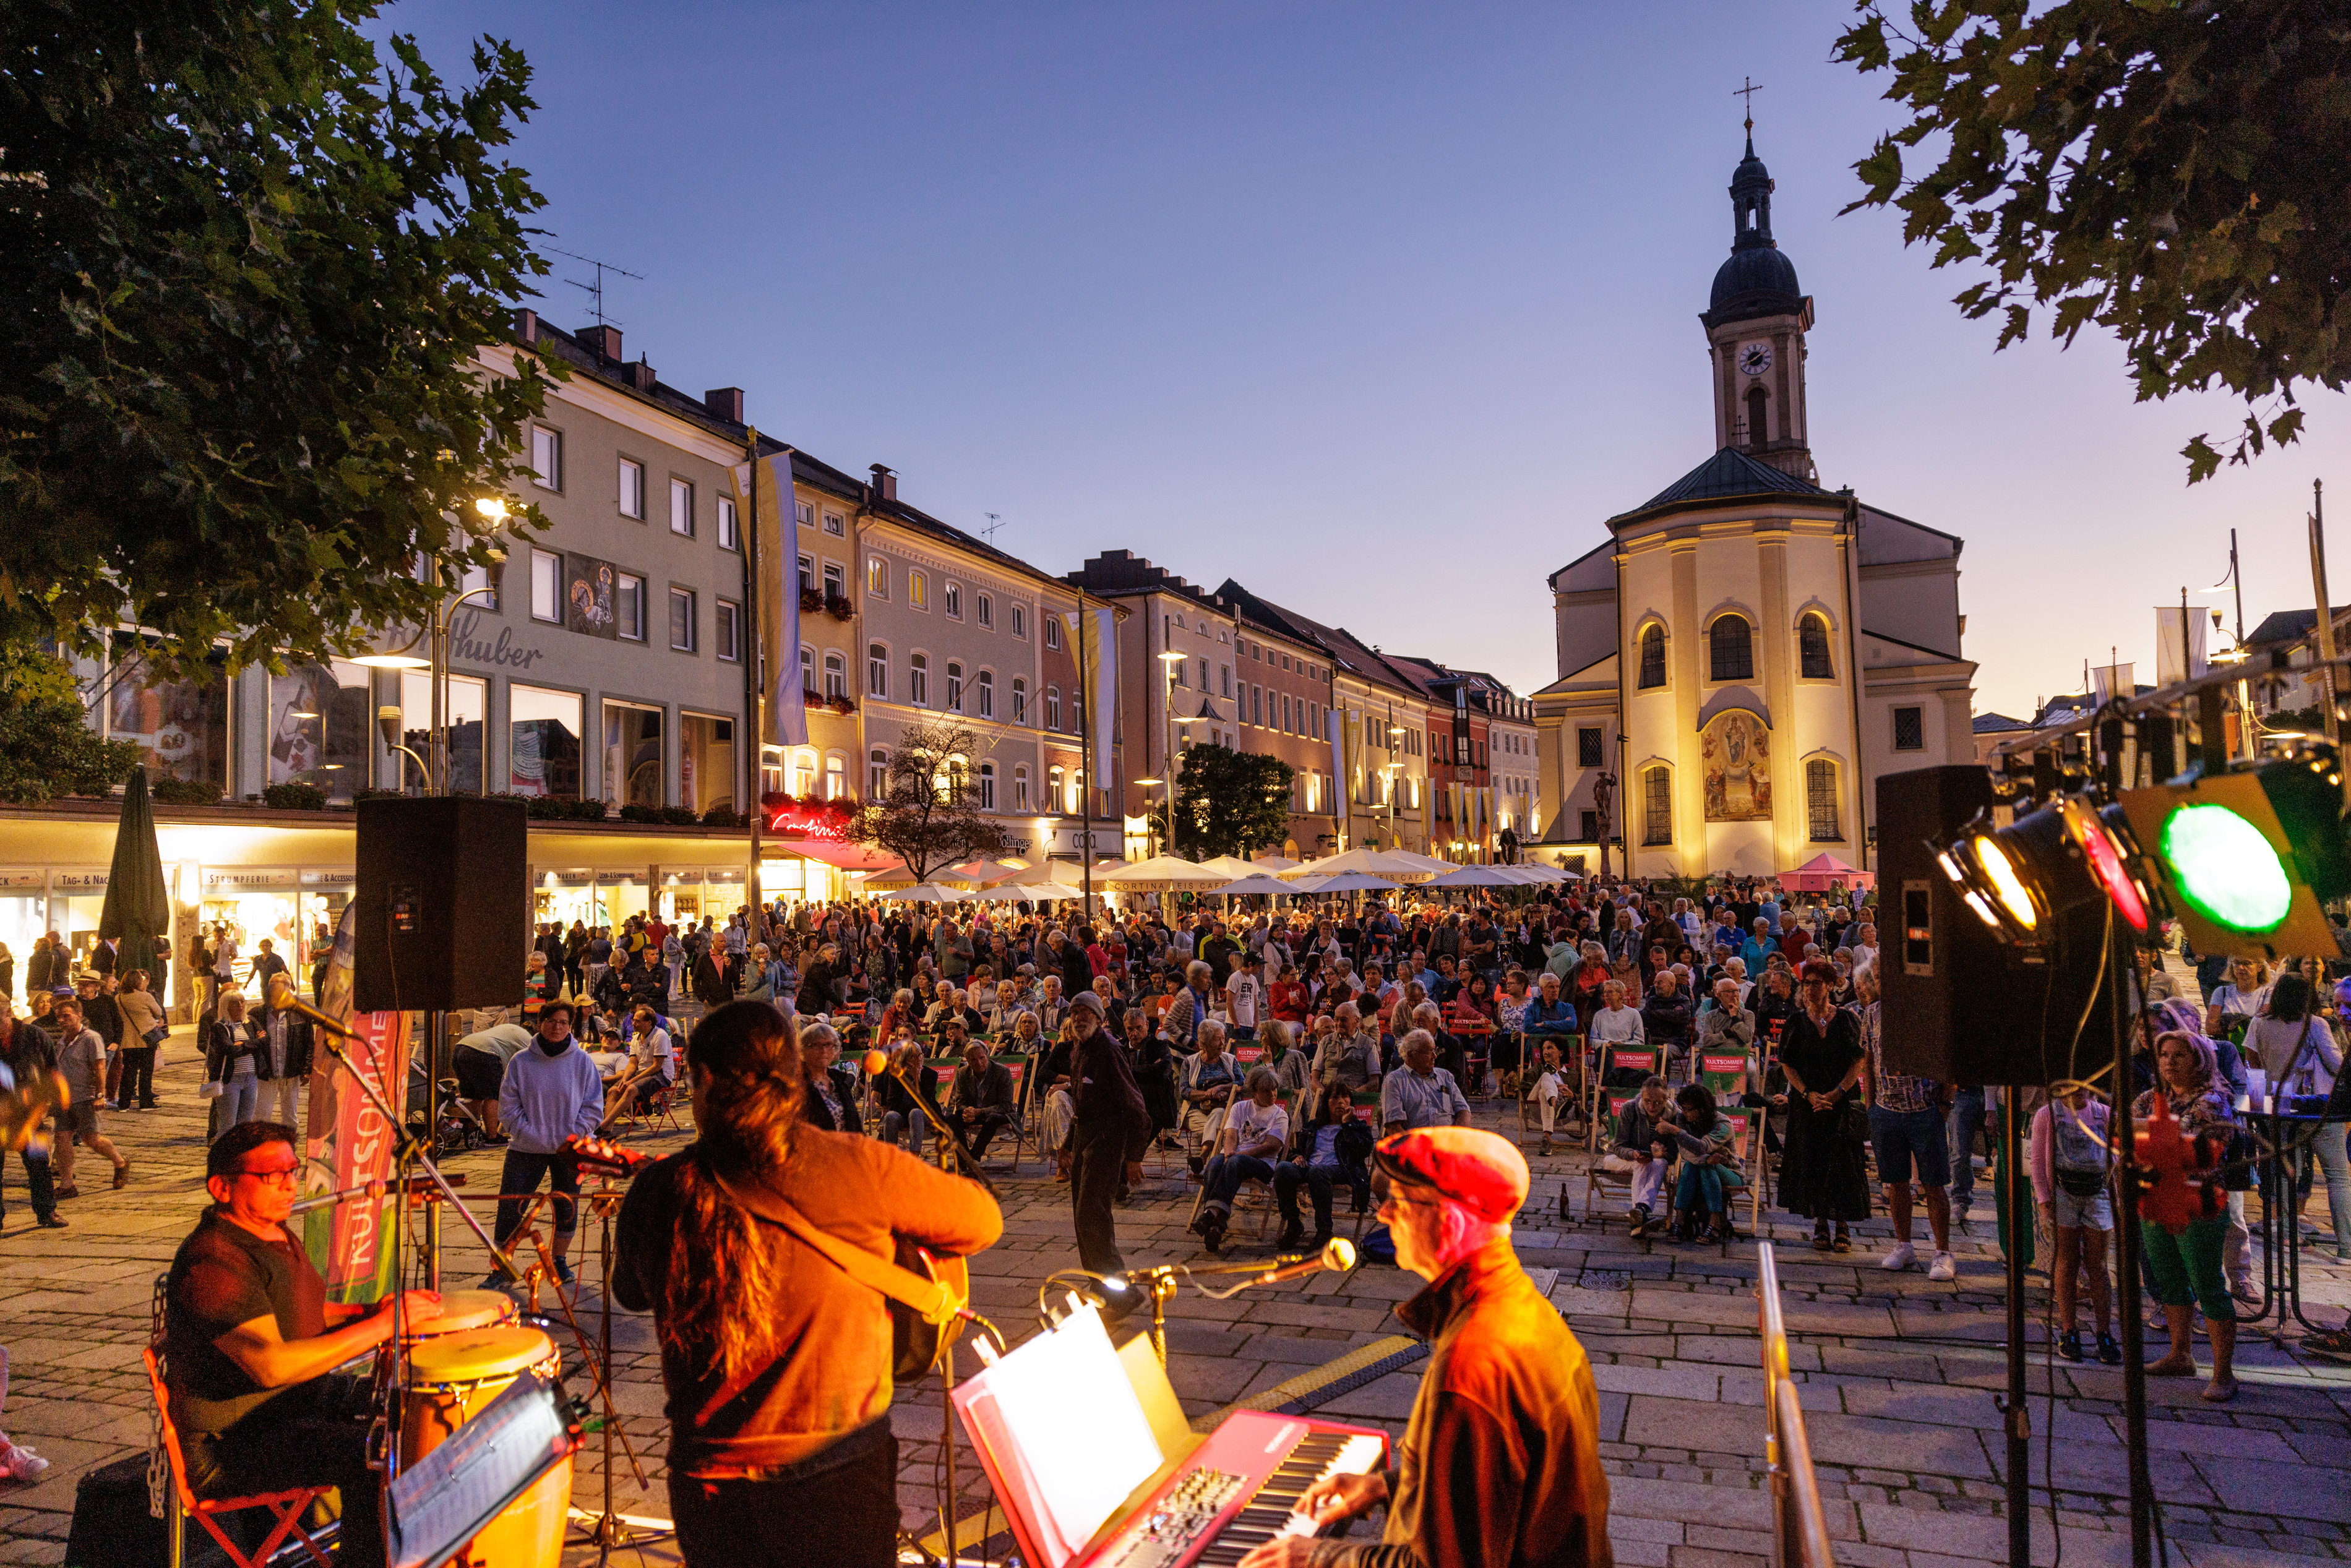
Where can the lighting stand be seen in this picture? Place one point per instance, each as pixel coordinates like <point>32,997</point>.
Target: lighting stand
<point>608,1530</point>
<point>2129,1293</point>
<point>2016,1419</point>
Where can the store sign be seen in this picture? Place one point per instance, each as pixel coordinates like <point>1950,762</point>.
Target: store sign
<point>1078,841</point>
<point>78,880</point>
<point>331,879</point>
<point>1013,846</point>
<point>23,880</point>
<point>806,818</point>
<point>506,652</point>
<point>219,881</point>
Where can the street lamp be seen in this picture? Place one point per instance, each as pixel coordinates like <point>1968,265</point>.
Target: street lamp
<point>1163,785</point>
<point>1392,768</point>
<point>1171,661</point>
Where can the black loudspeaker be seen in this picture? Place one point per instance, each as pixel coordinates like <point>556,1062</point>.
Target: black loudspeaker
<point>1959,1004</point>
<point>444,902</point>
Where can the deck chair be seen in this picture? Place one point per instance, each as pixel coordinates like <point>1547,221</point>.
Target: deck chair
<point>1598,1179</point>
<point>1620,1071</point>
<point>1573,1109</point>
<point>1726,1076</point>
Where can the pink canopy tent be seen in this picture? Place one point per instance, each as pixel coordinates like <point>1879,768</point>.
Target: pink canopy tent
<point>1823,872</point>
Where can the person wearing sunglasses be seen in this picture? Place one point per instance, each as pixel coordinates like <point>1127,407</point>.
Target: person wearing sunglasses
<point>251,1343</point>
<point>1500,1460</point>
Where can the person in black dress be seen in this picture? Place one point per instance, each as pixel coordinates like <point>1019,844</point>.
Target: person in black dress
<point>1822,1176</point>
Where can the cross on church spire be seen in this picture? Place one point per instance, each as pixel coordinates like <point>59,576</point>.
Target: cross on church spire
<point>1749,92</point>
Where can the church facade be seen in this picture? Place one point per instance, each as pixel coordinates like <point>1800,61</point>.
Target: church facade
<point>1747,651</point>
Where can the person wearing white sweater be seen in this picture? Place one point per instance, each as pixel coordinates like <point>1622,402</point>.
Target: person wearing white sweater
<point>552,1091</point>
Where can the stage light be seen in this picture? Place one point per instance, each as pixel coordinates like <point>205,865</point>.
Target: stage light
<point>2007,883</point>
<point>2112,851</point>
<point>2021,879</point>
<point>2247,857</point>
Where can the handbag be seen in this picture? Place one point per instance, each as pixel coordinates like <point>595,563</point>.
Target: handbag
<point>158,1035</point>
<point>2081,1183</point>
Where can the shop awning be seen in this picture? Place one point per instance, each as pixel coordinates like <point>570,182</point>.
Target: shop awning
<point>833,852</point>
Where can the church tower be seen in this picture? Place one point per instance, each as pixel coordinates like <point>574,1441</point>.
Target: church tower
<point>1755,324</point>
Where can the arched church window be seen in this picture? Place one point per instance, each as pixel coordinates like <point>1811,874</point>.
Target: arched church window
<point>1759,409</point>
<point>1653,657</point>
<point>1657,806</point>
<point>1812,648</point>
<point>1731,649</point>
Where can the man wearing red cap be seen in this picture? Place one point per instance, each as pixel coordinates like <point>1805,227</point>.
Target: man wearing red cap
<point>1500,1460</point>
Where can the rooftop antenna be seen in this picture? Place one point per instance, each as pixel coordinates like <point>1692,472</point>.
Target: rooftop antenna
<point>1749,92</point>
<point>995,521</point>
<point>595,291</point>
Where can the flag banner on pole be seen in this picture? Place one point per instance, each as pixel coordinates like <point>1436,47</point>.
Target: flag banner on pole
<point>1333,719</point>
<point>1098,647</point>
<point>779,595</point>
<point>2171,622</point>
<point>348,1140</point>
<point>2110,681</point>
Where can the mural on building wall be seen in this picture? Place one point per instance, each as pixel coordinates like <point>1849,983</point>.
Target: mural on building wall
<point>1735,752</point>
<point>588,589</point>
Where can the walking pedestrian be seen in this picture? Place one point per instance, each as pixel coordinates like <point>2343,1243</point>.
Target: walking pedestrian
<point>143,1032</point>
<point>81,1056</point>
<point>2068,1161</point>
<point>29,1055</point>
<point>2184,1270</point>
<point>231,1048</point>
<point>1108,1135</point>
<point>1908,1131</point>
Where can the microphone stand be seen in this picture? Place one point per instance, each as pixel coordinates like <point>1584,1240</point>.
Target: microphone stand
<point>1160,1281</point>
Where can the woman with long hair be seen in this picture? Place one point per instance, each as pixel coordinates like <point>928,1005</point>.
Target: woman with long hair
<point>2185,1269</point>
<point>775,1363</point>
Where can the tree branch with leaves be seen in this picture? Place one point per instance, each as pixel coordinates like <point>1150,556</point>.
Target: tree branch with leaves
<point>2172,172</point>
<point>1229,802</point>
<point>928,815</point>
<point>251,267</point>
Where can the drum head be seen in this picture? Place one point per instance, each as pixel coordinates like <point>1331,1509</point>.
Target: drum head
<point>464,1309</point>
<point>477,1355</point>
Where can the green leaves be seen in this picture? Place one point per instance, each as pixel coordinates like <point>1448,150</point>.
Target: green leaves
<point>1230,801</point>
<point>2169,172</point>
<point>47,747</point>
<point>246,267</point>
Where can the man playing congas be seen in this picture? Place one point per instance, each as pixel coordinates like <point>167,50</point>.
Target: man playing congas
<point>251,1344</point>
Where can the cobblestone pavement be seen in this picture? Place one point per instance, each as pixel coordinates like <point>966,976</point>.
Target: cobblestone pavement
<point>1897,1375</point>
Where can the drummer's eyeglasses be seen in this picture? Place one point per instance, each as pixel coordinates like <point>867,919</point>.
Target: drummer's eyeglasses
<point>284,1176</point>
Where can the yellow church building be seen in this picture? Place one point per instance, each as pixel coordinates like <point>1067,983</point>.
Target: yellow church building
<point>1747,651</point>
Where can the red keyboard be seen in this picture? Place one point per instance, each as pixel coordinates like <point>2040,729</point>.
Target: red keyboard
<point>1238,1489</point>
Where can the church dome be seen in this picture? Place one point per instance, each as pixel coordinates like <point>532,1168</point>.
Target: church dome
<point>1756,281</point>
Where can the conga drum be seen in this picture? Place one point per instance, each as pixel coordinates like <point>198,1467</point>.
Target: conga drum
<point>451,1378</point>
<point>465,1310</point>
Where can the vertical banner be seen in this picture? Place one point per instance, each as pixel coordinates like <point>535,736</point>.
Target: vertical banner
<point>780,593</point>
<point>1098,647</point>
<point>1332,721</point>
<point>2174,623</point>
<point>1352,733</point>
<point>348,1140</point>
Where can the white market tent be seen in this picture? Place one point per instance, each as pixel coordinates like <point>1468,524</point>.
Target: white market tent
<point>1275,864</point>
<point>1395,868</point>
<point>1231,865</point>
<point>1473,876</point>
<point>926,892</point>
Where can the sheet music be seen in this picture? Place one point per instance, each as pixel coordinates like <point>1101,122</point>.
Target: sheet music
<point>439,1503</point>
<point>1061,1422</point>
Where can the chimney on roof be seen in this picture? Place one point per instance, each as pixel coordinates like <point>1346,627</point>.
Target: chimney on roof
<point>526,325</point>
<point>639,375</point>
<point>724,402</point>
<point>604,340</point>
<point>885,482</point>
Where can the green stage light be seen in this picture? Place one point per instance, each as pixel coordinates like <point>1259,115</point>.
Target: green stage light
<point>2227,871</point>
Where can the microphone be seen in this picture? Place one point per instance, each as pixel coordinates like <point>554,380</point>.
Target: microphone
<point>368,1189</point>
<point>1338,1256</point>
<point>283,999</point>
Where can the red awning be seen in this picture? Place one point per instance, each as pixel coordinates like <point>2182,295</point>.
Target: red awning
<point>831,852</point>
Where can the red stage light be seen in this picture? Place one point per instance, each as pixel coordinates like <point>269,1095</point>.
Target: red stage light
<point>2107,862</point>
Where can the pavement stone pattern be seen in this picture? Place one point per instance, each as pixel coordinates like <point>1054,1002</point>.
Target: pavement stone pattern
<point>1898,1376</point>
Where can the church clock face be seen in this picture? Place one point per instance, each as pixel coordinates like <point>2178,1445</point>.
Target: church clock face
<point>1755,359</point>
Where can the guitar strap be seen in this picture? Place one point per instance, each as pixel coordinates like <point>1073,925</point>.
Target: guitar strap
<point>930,1300</point>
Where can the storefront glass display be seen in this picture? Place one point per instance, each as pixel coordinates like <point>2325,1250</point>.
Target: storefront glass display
<point>632,755</point>
<point>24,920</point>
<point>257,904</point>
<point>621,895</point>
<point>705,761</point>
<point>181,725</point>
<point>543,742</point>
<point>319,716</point>
<point>77,899</point>
<point>325,894</point>
<point>468,702</point>
<point>565,896</point>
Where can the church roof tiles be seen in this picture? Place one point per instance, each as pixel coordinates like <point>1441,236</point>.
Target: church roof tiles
<point>1728,474</point>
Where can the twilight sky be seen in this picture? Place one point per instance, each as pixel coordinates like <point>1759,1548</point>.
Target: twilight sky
<point>1380,309</point>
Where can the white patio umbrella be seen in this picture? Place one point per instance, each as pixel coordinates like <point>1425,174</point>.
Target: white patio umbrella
<point>1367,863</point>
<point>1258,886</point>
<point>1428,864</point>
<point>1344,881</point>
<point>1274,864</point>
<point>926,892</point>
<point>1164,873</point>
<point>978,873</point>
<point>1473,876</point>
<point>1231,865</point>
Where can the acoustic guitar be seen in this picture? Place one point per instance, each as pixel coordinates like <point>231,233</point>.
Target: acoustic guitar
<point>916,1344</point>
